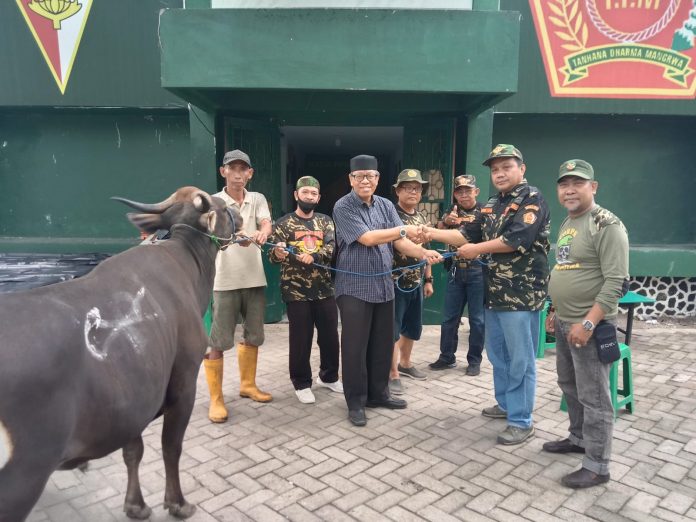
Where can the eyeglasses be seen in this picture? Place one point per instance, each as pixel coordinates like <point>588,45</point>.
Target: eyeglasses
<point>368,177</point>
<point>415,188</point>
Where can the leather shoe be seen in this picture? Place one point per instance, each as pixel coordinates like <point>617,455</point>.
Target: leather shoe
<point>583,478</point>
<point>389,402</point>
<point>357,417</point>
<point>562,446</point>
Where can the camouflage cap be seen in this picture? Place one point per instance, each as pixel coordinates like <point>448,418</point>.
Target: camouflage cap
<point>234,155</point>
<point>576,167</point>
<point>465,180</point>
<point>409,175</point>
<point>503,150</point>
<point>307,181</point>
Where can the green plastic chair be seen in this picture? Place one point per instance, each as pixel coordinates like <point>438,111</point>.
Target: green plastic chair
<point>546,340</point>
<point>620,397</point>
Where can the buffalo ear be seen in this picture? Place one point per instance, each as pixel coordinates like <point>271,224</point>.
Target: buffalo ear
<point>146,222</point>
<point>208,221</point>
<point>202,202</point>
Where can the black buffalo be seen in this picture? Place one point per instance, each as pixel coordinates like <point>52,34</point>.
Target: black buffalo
<point>87,364</point>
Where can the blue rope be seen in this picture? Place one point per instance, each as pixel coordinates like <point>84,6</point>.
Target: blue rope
<point>292,250</point>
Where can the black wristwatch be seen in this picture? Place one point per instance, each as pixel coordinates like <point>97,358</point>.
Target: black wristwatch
<point>588,325</point>
<point>428,279</point>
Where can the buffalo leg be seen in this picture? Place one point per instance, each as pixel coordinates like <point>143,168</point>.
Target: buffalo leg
<point>20,488</point>
<point>134,505</point>
<point>176,418</point>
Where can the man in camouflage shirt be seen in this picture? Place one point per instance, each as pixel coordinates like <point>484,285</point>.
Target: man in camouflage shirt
<point>308,290</point>
<point>464,282</point>
<point>515,244</point>
<point>408,290</point>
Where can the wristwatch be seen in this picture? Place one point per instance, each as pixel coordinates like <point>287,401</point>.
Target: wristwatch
<point>402,231</point>
<point>428,279</point>
<point>588,325</point>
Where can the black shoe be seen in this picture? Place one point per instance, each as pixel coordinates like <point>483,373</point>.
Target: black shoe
<point>473,370</point>
<point>357,417</point>
<point>389,402</point>
<point>583,478</point>
<point>562,446</point>
<point>441,365</point>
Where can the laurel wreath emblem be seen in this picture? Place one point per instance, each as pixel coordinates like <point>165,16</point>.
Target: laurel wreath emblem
<point>568,17</point>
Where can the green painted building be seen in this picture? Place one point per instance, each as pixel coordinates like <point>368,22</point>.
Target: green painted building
<point>160,89</point>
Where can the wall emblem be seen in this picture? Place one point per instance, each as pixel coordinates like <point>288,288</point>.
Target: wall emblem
<point>57,26</point>
<point>618,48</point>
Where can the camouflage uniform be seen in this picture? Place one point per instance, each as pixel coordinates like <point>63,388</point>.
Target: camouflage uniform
<point>408,295</point>
<point>309,294</point>
<point>316,236</point>
<point>516,287</point>
<point>471,229</point>
<point>411,277</point>
<point>517,280</point>
<point>465,288</point>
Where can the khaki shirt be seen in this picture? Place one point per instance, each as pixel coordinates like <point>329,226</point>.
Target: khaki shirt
<point>241,267</point>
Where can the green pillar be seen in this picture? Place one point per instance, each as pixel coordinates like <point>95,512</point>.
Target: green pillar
<point>203,153</point>
<point>478,145</point>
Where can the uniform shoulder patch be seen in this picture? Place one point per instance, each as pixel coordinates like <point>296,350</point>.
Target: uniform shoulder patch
<point>529,217</point>
<point>603,218</point>
<point>531,207</point>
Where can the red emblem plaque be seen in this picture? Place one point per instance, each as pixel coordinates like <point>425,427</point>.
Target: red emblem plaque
<point>618,48</point>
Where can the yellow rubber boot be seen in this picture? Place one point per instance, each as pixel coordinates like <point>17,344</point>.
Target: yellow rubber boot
<point>247,356</point>
<point>213,373</point>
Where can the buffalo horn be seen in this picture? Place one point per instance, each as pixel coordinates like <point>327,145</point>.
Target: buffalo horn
<point>154,208</point>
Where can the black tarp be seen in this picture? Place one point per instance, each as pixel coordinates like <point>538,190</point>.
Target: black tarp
<point>24,271</point>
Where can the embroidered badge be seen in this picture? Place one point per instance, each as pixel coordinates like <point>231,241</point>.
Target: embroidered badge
<point>529,218</point>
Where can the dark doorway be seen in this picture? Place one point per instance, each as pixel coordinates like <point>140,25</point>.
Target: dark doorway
<point>325,152</point>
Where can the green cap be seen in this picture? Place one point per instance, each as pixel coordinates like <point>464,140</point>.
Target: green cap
<point>576,167</point>
<point>503,150</point>
<point>307,181</point>
<point>409,175</point>
<point>465,180</point>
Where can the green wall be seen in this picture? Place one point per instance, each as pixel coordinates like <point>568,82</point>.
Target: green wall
<point>58,169</point>
<point>117,63</point>
<point>644,176</point>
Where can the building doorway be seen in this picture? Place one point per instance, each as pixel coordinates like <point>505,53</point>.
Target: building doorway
<point>325,151</point>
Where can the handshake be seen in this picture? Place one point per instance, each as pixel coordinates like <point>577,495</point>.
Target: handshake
<point>418,234</point>
<point>421,234</point>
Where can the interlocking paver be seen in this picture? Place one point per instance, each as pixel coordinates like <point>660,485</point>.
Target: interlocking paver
<point>437,460</point>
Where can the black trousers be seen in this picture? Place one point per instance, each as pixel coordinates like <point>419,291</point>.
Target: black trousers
<point>367,344</point>
<point>303,316</point>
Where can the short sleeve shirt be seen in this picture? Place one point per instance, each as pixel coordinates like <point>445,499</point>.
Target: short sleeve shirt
<point>517,280</point>
<point>314,236</point>
<point>353,218</point>
<point>239,267</point>
<point>410,277</point>
<point>470,227</point>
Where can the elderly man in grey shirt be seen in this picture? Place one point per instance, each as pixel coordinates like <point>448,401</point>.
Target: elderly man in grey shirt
<point>367,228</point>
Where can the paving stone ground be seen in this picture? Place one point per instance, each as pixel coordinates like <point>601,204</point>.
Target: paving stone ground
<point>437,460</point>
